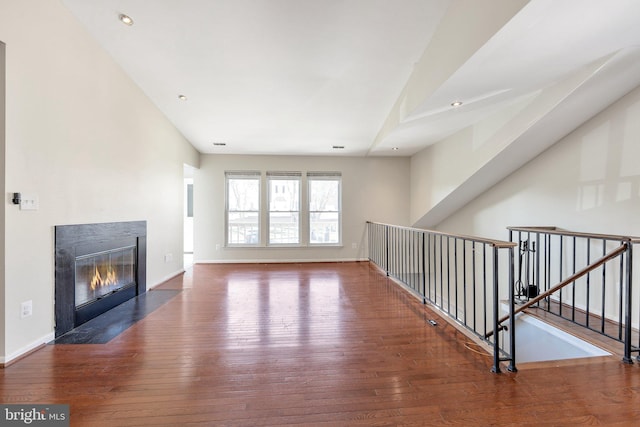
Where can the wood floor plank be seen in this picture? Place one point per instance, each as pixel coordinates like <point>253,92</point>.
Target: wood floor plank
<point>325,344</point>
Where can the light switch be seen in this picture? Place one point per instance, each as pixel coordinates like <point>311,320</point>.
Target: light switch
<point>29,202</point>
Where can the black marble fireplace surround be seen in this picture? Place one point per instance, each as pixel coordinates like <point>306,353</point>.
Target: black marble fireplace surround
<point>81,240</point>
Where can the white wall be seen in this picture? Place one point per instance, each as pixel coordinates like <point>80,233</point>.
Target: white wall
<point>442,168</point>
<point>588,181</point>
<point>2,168</point>
<point>451,173</point>
<point>373,189</point>
<point>85,139</point>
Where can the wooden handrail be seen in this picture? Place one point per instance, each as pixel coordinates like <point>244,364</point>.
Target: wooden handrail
<point>560,232</point>
<point>492,242</point>
<point>614,253</point>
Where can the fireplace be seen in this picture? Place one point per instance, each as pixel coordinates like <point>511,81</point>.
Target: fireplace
<point>98,266</point>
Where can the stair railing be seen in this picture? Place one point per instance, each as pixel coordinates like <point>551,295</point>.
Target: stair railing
<point>571,279</point>
<point>466,278</point>
<point>593,293</point>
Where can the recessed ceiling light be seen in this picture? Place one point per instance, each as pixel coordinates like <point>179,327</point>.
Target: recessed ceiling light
<point>338,147</point>
<point>456,103</point>
<point>220,144</point>
<point>182,97</point>
<point>125,19</point>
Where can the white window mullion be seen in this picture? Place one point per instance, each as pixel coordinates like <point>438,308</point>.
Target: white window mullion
<point>304,215</point>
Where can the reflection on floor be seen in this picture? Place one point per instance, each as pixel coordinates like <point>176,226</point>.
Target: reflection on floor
<point>109,325</point>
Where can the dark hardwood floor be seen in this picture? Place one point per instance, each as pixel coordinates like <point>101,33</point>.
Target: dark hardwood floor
<point>309,344</point>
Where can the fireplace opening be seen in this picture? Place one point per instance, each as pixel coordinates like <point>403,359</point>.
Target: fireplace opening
<point>102,274</point>
<point>98,267</point>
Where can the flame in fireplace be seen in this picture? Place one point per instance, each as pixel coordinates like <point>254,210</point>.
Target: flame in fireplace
<point>97,281</point>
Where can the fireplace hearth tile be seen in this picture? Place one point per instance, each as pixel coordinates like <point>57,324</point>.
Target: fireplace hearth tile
<point>109,325</point>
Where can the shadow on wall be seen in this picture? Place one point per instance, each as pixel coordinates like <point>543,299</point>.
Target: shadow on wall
<point>595,194</point>
<point>609,171</point>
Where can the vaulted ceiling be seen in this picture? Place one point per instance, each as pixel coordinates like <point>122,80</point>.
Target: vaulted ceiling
<point>376,77</point>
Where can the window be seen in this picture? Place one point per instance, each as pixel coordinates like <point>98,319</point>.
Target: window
<point>324,208</point>
<point>290,210</point>
<point>243,208</point>
<point>284,207</point>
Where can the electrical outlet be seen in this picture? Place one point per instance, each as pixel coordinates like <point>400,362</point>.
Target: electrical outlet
<point>168,258</point>
<point>217,246</point>
<point>26,309</point>
<point>354,246</point>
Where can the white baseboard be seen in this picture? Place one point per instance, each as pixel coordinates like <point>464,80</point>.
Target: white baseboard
<point>28,348</point>
<point>166,278</point>
<point>275,261</point>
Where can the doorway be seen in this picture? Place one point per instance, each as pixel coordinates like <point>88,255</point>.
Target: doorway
<point>188,216</point>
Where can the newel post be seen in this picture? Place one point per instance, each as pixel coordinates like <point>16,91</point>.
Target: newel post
<point>628,305</point>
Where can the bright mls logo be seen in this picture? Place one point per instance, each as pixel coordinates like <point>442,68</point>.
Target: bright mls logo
<point>34,415</point>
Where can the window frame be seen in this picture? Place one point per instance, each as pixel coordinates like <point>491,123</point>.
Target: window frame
<point>244,175</point>
<point>273,176</point>
<point>263,212</point>
<point>324,176</point>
